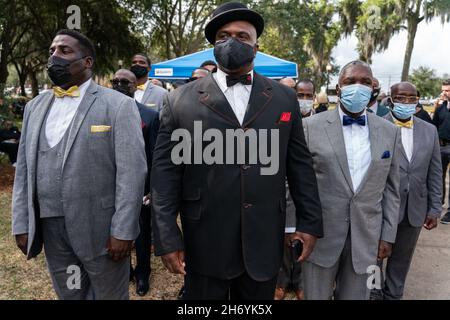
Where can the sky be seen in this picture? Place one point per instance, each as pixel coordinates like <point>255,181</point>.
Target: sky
<point>431,49</point>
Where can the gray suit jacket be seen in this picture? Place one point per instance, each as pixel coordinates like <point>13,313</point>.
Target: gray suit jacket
<point>371,211</point>
<point>154,97</point>
<point>103,172</point>
<point>421,179</point>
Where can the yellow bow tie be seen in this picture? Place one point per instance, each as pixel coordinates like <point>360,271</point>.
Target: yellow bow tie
<point>141,87</point>
<point>407,124</point>
<point>71,92</point>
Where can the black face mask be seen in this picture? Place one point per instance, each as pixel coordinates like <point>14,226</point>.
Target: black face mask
<point>58,70</point>
<point>139,71</point>
<point>233,54</point>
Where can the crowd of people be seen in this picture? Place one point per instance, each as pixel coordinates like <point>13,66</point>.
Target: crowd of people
<point>101,169</point>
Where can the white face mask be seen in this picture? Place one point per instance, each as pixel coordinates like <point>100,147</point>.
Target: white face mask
<point>305,105</point>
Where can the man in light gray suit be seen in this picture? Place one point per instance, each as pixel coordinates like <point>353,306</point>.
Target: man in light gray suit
<point>356,165</point>
<point>147,93</point>
<point>80,177</point>
<point>420,184</point>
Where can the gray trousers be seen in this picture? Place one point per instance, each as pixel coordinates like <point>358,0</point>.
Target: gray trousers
<point>339,281</point>
<point>76,279</point>
<point>398,263</point>
<point>290,271</point>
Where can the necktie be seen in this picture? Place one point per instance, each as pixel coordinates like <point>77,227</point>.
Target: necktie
<point>141,87</point>
<point>71,92</point>
<point>347,121</point>
<point>245,79</point>
<point>407,124</point>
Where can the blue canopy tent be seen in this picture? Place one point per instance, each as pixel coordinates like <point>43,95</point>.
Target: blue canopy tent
<point>182,67</point>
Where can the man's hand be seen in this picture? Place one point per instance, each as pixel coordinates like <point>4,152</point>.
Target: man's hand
<point>118,249</point>
<point>384,250</point>
<point>430,223</point>
<point>174,262</point>
<point>308,240</point>
<point>22,242</point>
<point>287,239</point>
<point>147,200</point>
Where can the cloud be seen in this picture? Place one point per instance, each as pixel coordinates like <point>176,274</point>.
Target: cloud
<point>431,49</point>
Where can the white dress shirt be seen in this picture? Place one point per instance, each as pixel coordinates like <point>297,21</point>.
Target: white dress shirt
<point>237,95</point>
<point>139,94</point>
<point>407,141</point>
<point>61,115</point>
<point>357,147</point>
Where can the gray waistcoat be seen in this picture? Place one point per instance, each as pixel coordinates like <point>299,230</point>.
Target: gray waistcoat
<point>49,174</point>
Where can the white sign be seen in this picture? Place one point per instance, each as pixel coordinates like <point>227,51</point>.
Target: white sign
<point>164,72</point>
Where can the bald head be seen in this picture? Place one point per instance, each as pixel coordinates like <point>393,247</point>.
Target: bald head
<point>288,82</point>
<point>356,72</point>
<point>125,74</point>
<point>125,82</point>
<point>404,88</point>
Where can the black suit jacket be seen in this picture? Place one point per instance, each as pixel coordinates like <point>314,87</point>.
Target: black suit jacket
<point>150,127</point>
<point>422,114</point>
<point>232,217</point>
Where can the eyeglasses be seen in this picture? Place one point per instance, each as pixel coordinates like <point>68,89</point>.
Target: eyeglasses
<point>120,82</point>
<point>405,99</point>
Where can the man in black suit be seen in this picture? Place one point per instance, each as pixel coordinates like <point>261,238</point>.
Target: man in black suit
<point>125,81</point>
<point>232,211</point>
<point>421,113</point>
<point>441,120</point>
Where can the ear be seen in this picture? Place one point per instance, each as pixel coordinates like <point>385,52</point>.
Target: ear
<point>338,90</point>
<point>89,62</point>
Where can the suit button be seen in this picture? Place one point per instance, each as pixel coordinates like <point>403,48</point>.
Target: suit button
<point>245,167</point>
<point>247,205</point>
<point>406,190</point>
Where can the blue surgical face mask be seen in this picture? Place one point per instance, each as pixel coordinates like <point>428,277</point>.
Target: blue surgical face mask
<point>404,111</point>
<point>355,97</point>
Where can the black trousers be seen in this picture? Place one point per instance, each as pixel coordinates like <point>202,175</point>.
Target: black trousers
<point>10,149</point>
<point>290,272</point>
<point>200,287</point>
<point>143,244</point>
<point>445,158</point>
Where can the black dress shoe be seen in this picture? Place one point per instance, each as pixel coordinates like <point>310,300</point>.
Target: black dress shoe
<point>131,274</point>
<point>181,293</point>
<point>142,287</point>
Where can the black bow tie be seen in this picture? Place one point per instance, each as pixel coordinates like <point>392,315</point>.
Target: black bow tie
<point>245,79</point>
<point>361,120</point>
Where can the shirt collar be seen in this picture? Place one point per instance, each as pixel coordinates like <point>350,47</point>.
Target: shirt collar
<point>221,78</point>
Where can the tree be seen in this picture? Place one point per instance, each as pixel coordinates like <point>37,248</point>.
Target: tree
<point>426,81</point>
<point>176,26</point>
<point>414,12</point>
<point>301,31</point>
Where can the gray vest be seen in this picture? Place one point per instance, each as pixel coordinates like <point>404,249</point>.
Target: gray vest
<point>49,174</point>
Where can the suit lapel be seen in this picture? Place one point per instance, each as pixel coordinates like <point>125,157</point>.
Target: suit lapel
<point>336,137</point>
<point>38,120</point>
<point>147,91</point>
<point>259,98</point>
<point>213,98</point>
<point>417,135</point>
<point>376,147</point>
<point>83,109</point>
<point>390,118</point>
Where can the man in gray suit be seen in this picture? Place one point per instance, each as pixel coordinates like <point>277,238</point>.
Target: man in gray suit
<point>420,184</point>
<point>356,165</point>
<point>80,177</point>
<point>147,93</point>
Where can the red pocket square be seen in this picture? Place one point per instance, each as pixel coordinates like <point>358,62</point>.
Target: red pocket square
<point>285,117</point>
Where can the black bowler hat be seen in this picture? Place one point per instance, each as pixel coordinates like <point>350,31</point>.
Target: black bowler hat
<point>232,11</point>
